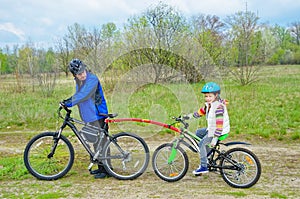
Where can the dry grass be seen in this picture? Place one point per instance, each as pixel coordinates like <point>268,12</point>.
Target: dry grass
<point>280,176</point>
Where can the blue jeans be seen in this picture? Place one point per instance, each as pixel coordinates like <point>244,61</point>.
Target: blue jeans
<point>204,149</point>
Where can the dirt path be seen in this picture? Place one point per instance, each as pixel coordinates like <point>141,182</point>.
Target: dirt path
<point>280,177</point>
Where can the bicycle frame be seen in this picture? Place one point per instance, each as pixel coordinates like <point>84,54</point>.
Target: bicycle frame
<point>69,121</point>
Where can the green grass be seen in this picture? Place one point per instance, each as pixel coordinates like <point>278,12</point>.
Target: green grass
<point>12,168</point>
<point>278,195</point>
<point>269,108</point>
<point>236,194</point>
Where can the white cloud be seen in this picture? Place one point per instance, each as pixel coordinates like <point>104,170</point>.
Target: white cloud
<point>41,20</point>
<point>9,27</point>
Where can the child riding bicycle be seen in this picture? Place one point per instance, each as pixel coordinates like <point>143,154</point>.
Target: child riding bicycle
<point>217,122</point>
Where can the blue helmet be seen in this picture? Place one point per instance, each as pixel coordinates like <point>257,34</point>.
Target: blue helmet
<point>211,87</point>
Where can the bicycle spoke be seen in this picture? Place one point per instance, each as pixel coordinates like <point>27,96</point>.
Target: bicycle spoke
<point>48,168</point>
<point>172,171</point>
<point>246,166</point>
<point>127,156</point>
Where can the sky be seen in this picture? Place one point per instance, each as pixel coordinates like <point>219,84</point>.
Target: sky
<point>43,21</point>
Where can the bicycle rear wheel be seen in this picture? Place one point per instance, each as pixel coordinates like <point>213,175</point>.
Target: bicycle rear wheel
<point>126,156</point>
<point>174,170</point>
<point>242,169</point>
<point>39,161</point>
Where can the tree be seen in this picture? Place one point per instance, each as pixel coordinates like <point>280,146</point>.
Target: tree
<point>3,63</point>
<point>295,32</point>
<point>93,45</point>
<point>245,40</point>
<point>27,62</point>
<point>47,72</point>
<point>157,31</point>
<point>208,31</point>
<point>102,42</point>
<point>77,37</point>
<point>64,54</point>
<point>282,35</point>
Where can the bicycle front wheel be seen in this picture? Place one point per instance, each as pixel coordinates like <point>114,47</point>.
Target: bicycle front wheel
<point>47,161</point>
<point>126,156</point>
<point>241,168</point>
<point>166,170</point>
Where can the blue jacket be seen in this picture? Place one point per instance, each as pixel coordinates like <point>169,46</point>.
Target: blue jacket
<point>89,98</point>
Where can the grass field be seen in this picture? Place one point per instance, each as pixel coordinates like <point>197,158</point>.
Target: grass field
<point>268,108</point>
<point>265,114</point>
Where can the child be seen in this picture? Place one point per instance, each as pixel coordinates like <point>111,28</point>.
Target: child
<point>217,122</point>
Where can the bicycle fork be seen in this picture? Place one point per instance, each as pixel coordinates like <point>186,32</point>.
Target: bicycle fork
<point>173,151</point>
<point>55,142</point>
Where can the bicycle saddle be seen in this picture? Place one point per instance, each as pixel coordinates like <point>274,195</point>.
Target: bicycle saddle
<point>109,115</point>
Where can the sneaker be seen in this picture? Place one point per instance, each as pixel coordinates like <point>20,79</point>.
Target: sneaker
<point>95,172</point>
<point>200,170</point>
<point>101,175</point>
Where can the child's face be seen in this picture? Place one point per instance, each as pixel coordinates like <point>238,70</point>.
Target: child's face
<point>210,97</point>
<point>81,76</point>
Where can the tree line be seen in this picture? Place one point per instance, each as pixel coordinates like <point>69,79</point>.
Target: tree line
<point>162,36</point>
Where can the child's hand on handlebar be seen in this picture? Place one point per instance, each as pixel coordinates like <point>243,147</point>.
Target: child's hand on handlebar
<point>188,116</point>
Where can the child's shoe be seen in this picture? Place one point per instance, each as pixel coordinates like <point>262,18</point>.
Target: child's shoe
<point>200,170</point>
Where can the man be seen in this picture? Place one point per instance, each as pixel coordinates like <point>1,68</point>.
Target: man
<point>89,98</point>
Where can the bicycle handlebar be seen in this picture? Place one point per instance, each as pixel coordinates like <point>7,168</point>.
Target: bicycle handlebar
<point>63,106</point>
<point>182,119</point>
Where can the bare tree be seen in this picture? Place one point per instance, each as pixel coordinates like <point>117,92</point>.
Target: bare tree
<point>93,45</point>
<point>64,54</point>
<point>78,39</point>
<point>208,31</point>
<point>245,42</point>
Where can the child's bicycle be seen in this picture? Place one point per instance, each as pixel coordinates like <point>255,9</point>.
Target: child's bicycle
<point>50,155</point>
<point>239,167</point>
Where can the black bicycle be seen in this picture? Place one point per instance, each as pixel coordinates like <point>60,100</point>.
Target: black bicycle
<point>50,155</point>
<point>239,167</point>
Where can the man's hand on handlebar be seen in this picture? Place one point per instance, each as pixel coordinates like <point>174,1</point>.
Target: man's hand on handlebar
<point>62,104</point>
